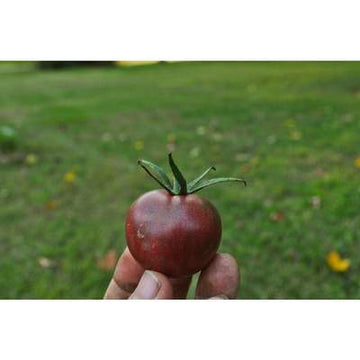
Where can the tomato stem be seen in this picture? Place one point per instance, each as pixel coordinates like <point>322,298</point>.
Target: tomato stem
<point>180,185</point>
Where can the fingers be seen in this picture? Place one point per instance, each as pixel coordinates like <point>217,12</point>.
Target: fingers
<point>153,285</point>
<point>127,275</point>
<point>220,279</point>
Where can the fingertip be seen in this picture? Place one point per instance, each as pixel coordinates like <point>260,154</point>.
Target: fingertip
<point>152,285</point>
<point>220,278</point>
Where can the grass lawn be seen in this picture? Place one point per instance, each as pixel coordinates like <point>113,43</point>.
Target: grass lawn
<point>291,129</point>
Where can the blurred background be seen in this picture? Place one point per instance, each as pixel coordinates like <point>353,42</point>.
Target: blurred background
<point>70,135</point>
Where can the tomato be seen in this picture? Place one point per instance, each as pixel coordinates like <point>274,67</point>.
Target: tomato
<point>174,231</point>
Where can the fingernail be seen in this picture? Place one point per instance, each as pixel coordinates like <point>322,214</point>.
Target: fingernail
<point>148,287</point>
<point>219,297</point>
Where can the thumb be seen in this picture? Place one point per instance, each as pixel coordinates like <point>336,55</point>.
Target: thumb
<point>153,285</point>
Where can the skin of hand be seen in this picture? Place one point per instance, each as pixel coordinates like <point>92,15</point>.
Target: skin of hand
<point>219,280</point>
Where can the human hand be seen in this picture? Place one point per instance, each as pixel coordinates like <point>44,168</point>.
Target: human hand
<point>219,280</point>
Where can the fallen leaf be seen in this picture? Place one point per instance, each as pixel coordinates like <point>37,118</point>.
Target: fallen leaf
<point>336,262</point>
<point>108,262</point>
<point>357,162</point>
<point>51,205</point>
<point>45,262</point>
<point>277,216</point>
<point>69,177</point>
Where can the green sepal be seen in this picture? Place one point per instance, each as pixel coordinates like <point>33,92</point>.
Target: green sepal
<point>180,186</point>
<point>213,182</point>
<point>192,184</point>
<point>161,178</point>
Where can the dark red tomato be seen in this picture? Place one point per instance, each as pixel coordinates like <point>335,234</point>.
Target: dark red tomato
<point>177,235</point>
<point>174,231</point>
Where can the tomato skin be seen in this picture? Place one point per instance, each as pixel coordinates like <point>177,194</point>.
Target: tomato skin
<point>177,235</point>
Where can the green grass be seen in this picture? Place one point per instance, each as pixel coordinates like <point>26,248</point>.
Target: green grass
<point>291,129</point>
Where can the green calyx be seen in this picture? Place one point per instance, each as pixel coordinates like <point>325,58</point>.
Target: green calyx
<point>180,186</point>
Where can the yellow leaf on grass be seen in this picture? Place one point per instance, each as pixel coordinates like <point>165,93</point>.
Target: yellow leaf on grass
<point>357,162</point>
<point>51,205</point>
<point>69,177</point>
<point>336,262</point>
